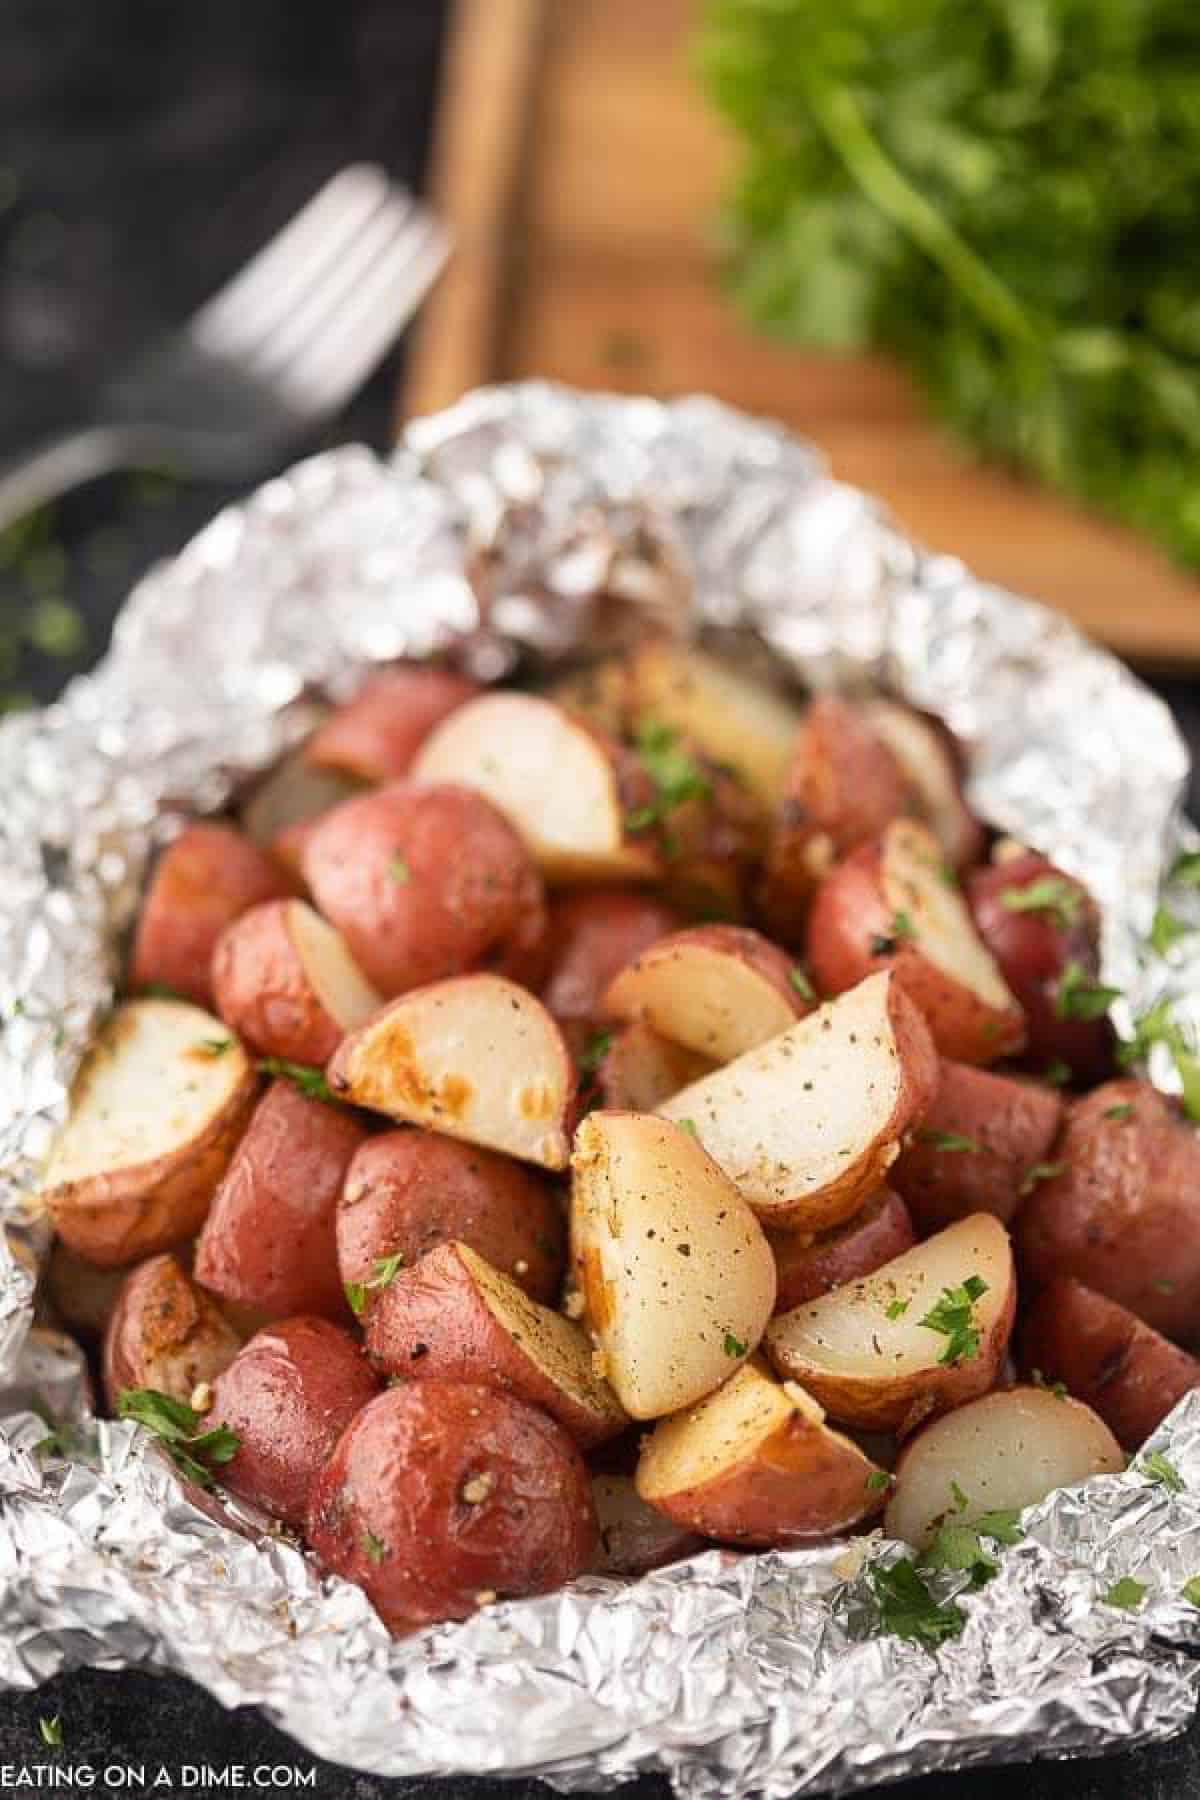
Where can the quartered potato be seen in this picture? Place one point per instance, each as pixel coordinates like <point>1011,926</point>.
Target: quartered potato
<point>166,1333</point>
<point>287,984</point>
<point>640,1069</point>
<point>155,1113</point>
<point>808,1124</point>
<point>677,1277</point>
<point>718,990</point>
<point>928,757</point>
<point>979,1147</point>
<point>376,735</point>
<point>808,1266</point>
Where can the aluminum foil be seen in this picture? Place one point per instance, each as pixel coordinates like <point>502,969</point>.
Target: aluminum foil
<point>525,523</point>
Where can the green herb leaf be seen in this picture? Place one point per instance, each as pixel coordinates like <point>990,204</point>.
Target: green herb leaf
<point>51,1732</point>
<point>399,871</point>
<point>688,1125</point>
<point>676,776</point>
<point>1126,1593</point>
<point>594,1052</point>
<point>950,1141</point>
<point>877,1480</point>
<point>896,1309</point>
<point>374,1547</point>
<point>310,1081</point>
<point>1186,868</point>
<point>733,1346</point>
<point>960,1499</point>
<point>801,983</point>
<point>1119,1113</point>
<point>952,1316</point>
<point>1079,997</point>
<point>192,1446</point>
<point>1039,1172</point>
<point>1155,1467</point>
<point>356,1297</point>
<point>907,1608</point>
<point>1051,894</point>
<point>1057,1388</point>
<point>213,1047</point>
<point>158,990</point>
<point>1157,1026</point>
<point>1166,931</point>
<point>1057,1073</point>
<point>1191,1590</point>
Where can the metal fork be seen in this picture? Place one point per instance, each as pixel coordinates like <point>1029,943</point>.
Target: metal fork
<point>274,352</point>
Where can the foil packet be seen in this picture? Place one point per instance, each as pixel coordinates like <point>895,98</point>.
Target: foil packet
<point>526,524</point>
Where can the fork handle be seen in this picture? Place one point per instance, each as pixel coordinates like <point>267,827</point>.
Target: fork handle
<point>53,467</point>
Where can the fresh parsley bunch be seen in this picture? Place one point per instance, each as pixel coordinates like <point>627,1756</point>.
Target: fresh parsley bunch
<point>1006,193</point>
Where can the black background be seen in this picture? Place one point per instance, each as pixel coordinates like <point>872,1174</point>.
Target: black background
<point>145,150</point>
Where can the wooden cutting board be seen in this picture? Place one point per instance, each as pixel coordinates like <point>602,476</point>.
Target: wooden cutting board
<point>580,171</point>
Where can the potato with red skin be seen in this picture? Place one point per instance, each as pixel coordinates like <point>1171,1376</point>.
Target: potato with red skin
<point>592,934</point>
<point>974,1148</point>
<point>206,878</point>
<point>1033,946</point>
<point>288,1396</point>
<point>808,1266</point>
<point>164,1332</point>
<point>639,1070</point>
<point>1121,1212</point>
<point>286,983</point>
<point>1102,1353</point>
<point>269,1243</point>
<point>889,906</point>
<point>442,1496</point>
<point>408,1191</point>
<point>424,883</point>
<point>376,735</point>
<point>634,1537</point>
<point>718,990</point>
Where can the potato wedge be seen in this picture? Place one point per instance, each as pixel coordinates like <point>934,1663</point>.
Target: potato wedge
<point>1130,1374</point>
<point>929,759</point>
<point>808,1266</point>
<point>455,1318</point>
<point>166,1333</point>
<point>1004,1451</point>
<point>640,1069</point>
<point>155,1113</point>
<point>867,1354</point>
<point>476,1057</point>
<point>889,906</point>
<point>593,933</point>
<point>286,983</point>
<point>375,736</point>
<point>755,1463</point>
<point>719,990</point>
<point>808,1124</point>
<point>634,1537</point>
<point>555,779</point>
<point>975,1147</point>
<point>733,718</point>
<point>677,1277</point>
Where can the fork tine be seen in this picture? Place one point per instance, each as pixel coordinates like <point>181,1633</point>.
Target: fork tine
<point>356,339</point>
<point>264,290</point>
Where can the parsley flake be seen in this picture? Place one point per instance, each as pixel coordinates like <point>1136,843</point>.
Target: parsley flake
<point>374,1548</point>
<point>594,1052</point>
<point>383,1272</point>
<point>688,1125</point>
<point>1039,1172</point>
<point>51,1732</point>
<point>953,1318</point>
<point>907,1609</point>
<point>1166,931</point>
<point>877,1480</point>
<point>1191,1590</point>
<point>1127,1593</point>
<point>1186,868</point>
<point>399,871</point>
<point>949,1141</point>
<point>1051,894</point>
<point>1057,1388</point>
<point>1158,1027</point>
<point>801,983</point>
<point>733,1346</point>
<point>900,928</point>
<point>1079,997</point>
<point>1120,1113</point>
<point>896,1309</point>
<point>213,1047</point>
<point>310,1080</point>
<point>1155,1467</point>
<point>676,776</point>
<point>190,1445</point>
<point>1057,1073</point>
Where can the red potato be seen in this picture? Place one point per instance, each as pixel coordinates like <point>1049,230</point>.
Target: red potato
<point>1104,1354</point>
<point>206,878</point>
<point>269,1242</point>
<point>290,845</point>
<point>290,795</point>
<point>286,983</point>
<point>478,1058</point>
<point>979,1140</point>
<point>1003,1452</point>
<point>809,1266</point>
<point>375,736</point>
<point>444,1496</point>
<point>408,1191</point>
<point>844,786</point>
<point>634,1537</point>
<point>165,1333</point>
<point>1033,945</point>
<point>931,762</point>
<point>424,882</point>
<point>640,1070</point>
<point>712,846</point>
<point>755,1464</point>
<point>1120,1210</point>
<point>808,1124</point>
<point>593,933</point>
<point>888,906</point>
<point>559,782</point>
<point>155,1112</point>
<point>865,1351</point>
<point>288,1397</point>
<point>718,990</point>
<point>455,1318</point>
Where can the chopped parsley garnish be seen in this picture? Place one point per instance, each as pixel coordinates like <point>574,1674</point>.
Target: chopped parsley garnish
<point>896,1309</point>
<point>1155,1467</point>
<point>877,1480</point>
<point>374,1547</point>
<point>310,1080</point>
<point>1163,1286</point>
<point>1079,997</point>
<point>949,1141</point>
<point>1039,1172</point>
<point>1051,894</point>
<point>51,1732</point>
<point>1127,1593</point>
<point>1057,1388</point>
<point>1120,1113</point>
<point>384,1272</point>
<point>907,1606</point>
<point>1158,1027</point>
<point>959,1546</point>
<point>159,990</point>
<point>192,1447</point>
<point>1057,1073</point>
<point>1191,1590</point>
<point>1166,931</point>
<point>688,1125</point>
<point>900,928</point>
<point>399,870</point>
<point>960,1499</point>
<point>801,983</point>
<point>676,776</point>
<point>1186,868</point>
<point>733,1346</point>
<point>953,1318</point>
<point>594,1052</point>
<point>907,1609</point>
<point>213,1047</point>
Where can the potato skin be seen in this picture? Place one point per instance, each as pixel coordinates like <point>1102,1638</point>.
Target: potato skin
<point>1103,1354</point>
<point>441,1495</point>
<point>1123,1215</point>
<point>1033,949</point>
<point>409,1190</point>
<point>263,991</point>
<point>808,1267</point>
<point>1013,1123</point>
<point>376,735</point>
<point>635,1537</point>
<point>593,933</point>
<point>289,1395</point>
<point>164,1332</point>
<point>205,879</point>
<point>270,1239</point>
<point>425,883</point>
<point>849,917</point>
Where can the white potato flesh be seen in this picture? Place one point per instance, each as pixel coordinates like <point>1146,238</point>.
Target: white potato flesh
<point>787,1120</point>
<point>914,884</point>
<point>475,1057</point>
<point>335,978</point>
<point>707,998</point>
<point>927,760</point>
<point>677,1276</point>
<point>549,775</point>
<point>1004,1450</point>
<point>160,1077</point>
<point>730,716</point>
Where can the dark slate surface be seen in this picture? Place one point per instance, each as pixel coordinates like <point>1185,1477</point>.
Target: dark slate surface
<point>144,151</point>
